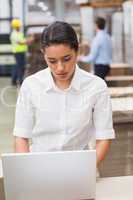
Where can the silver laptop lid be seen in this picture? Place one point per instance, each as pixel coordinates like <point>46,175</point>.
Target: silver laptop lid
<point>69,175</point>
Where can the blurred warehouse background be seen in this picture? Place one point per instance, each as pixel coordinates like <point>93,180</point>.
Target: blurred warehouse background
<point>37,14</point>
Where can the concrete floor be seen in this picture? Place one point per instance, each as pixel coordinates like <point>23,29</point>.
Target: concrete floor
<point>8,96</point>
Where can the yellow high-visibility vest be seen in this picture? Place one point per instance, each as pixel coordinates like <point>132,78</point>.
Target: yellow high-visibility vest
<point>16,37</point>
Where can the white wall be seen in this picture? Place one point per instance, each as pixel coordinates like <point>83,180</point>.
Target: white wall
<point>87,23</point>
<point>128,31</point>
<point>4,13</point>
<point>19,10</point>
<point>117,37</point>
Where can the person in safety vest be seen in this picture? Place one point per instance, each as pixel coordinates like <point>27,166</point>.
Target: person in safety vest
<point>19,48</point>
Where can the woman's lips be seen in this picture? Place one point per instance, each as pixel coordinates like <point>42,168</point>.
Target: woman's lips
<point>62,74</point>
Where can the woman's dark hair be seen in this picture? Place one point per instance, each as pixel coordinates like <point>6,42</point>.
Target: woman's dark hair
<point>100,22</point>
<point>59,33</point>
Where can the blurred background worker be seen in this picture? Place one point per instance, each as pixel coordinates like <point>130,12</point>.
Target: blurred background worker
<point>19,48</point>
<point>101,50</point>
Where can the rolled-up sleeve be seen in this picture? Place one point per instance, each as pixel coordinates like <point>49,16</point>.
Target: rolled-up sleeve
<point>24,116</point>
<point>102,116</point>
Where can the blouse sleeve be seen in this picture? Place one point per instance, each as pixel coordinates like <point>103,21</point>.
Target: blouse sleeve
<point>24,117</point>
<point>102,116</point>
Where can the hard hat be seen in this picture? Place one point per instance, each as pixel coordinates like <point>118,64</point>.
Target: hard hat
<point>16,23</point>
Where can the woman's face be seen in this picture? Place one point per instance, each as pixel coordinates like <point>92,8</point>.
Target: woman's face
<point>61,59</point>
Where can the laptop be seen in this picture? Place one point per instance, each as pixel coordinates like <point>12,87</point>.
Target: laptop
<point>64,175</point>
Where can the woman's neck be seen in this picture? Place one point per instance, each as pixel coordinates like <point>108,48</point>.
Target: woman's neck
<point>63,84</point>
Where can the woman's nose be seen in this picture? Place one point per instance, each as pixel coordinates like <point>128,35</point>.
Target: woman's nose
<point>60,66</point>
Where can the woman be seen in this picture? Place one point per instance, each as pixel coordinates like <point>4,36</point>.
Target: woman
<point>58,107</point>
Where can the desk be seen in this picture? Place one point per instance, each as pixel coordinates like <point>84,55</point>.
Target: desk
<point>1,183</point>
<point>114,188</point>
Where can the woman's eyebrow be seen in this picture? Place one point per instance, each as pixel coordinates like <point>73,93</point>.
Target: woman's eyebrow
<point>61,57</point>
<point>51,58</point>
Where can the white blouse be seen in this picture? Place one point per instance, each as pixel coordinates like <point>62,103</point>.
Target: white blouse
<point>63,119</point>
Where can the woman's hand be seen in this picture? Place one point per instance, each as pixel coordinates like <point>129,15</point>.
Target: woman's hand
<point>21,145</point>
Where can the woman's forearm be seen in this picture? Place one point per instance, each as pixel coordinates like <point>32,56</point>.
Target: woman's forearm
<point>21,145</point>
<point>102,147</point>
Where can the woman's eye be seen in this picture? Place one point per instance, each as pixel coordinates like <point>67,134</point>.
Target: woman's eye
<point>64,60</point>
<point>52,61</point>
<point>67,59</point>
